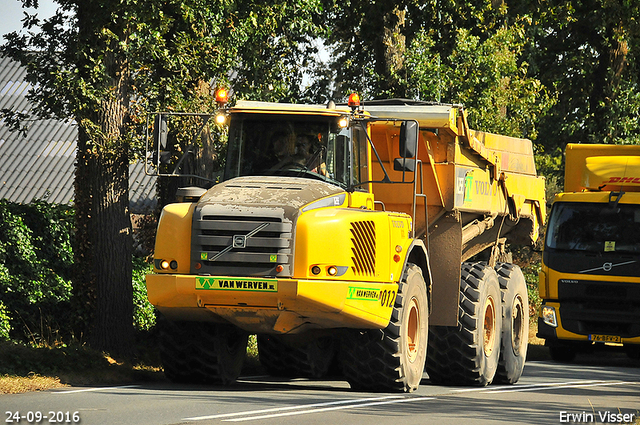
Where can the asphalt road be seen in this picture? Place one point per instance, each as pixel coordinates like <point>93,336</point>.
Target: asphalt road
<point>601,389</point>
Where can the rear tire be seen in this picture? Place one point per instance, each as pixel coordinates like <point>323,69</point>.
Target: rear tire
<point>392,359</point>
<point>468,354</point>
<point>515,323</point>
<point>202,352</point>
<point>310,359</point>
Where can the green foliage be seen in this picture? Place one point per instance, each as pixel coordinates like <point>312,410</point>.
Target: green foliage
<point>277,37</point>
<point>587,52</point>
<point>531,276</point>
<point>144,317</point>
<point>486,76</point>
<point>36,261</point>
<point>529,262</point>
<point>5,325</point>
<point>35,269</point>
<point>369,39</point>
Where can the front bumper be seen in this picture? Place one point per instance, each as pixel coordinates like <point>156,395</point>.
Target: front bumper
<point>267,305</point>
<point>560,333</point>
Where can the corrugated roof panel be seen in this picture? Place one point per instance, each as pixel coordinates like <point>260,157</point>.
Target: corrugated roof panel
<point>42,164</point>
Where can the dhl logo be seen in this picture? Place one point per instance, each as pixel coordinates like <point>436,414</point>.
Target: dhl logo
<point>621,180</point>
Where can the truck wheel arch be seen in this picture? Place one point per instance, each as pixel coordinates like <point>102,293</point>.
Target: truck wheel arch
<point>417,254</point>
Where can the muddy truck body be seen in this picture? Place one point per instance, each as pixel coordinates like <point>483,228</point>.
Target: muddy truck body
<point>347,239</point>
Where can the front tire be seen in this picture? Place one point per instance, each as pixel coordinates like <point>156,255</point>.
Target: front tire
<point>392,359</point>
<point>202,352</point>
<point>468,354</point>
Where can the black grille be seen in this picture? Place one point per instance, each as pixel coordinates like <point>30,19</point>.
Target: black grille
<point>242,245</point>
<point>590,307</point>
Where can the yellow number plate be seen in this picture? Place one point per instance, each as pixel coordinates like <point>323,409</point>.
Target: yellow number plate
<point>605,338</point>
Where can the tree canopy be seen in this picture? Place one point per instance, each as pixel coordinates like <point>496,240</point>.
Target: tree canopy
<point>586,53</point>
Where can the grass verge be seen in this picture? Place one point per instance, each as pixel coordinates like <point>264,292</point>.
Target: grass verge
<point>24,368</point>
<point>24,384</point>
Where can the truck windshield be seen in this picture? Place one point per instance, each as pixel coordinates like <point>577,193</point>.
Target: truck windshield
<point>295,146</point>
<point>594,227</point>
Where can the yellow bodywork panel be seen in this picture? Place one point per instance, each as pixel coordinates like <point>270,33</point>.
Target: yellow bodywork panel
<point>602,167</point>
<point>549,278</point>
<point>455,179</point>
<point>360,244</point>
<point>277,305</point>
<point>631,198</point>
<point>348,261</point>
<point>173,237</point>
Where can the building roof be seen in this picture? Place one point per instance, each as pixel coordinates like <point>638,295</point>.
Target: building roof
<point>40,164</point>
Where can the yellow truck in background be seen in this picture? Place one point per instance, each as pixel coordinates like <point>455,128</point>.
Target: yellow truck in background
<point>590,277</point>
<point>347,238</point>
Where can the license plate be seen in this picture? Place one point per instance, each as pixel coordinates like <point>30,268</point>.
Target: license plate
<point>605,338</point>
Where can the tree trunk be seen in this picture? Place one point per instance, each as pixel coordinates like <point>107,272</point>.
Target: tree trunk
<point>103,287</point>
<point>112,251</point>
<point>389,52</point>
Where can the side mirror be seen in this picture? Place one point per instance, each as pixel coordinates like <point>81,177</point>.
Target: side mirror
<point>408,139</point>
<point>404,164</point>
<point>160,131</point>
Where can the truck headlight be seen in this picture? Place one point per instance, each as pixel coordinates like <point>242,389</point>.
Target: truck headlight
<point>549,316</point>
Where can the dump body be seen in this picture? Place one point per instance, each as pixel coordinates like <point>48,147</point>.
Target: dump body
<point>481,189</point>
<point>590,278</point>
<point>388,200</point>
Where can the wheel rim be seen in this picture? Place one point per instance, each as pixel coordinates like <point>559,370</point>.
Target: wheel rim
<point>517,324</point>
<point>489,326</point>
<point>413,330</point>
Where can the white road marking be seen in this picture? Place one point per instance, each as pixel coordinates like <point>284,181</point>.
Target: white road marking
<point>86,390</point>
<point>327,409</point>
<point>280,409</point>
<point>555,387</point>
<point>544,385</point>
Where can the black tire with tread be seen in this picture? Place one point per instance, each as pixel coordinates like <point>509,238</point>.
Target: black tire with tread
<point>312,359</point>
<point>202,352</point>
<point>380,359</point>
<point>457,354</point>
<point>515,323</point>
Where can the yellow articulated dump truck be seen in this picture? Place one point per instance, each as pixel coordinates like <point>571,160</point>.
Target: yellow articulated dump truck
<point>365,241</point>
<point>590,277</point>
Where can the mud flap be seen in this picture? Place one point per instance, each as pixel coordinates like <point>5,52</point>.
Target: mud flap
<point>445,257</point>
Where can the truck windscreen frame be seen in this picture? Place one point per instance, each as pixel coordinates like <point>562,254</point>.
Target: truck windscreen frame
<point>293,145</point>
<point>594,227</point>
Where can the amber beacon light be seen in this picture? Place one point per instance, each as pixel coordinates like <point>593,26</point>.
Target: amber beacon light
<point>354,100</point>
<point>222,96</point>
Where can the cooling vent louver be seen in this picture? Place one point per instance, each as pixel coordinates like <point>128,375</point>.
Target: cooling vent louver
<point>364,247</point>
